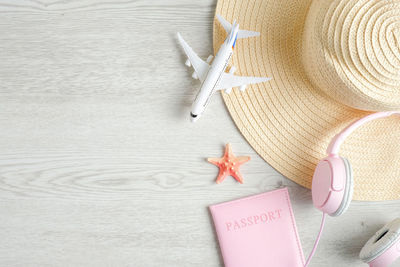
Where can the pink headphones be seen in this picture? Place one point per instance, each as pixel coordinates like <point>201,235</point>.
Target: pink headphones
<point>332,191</point>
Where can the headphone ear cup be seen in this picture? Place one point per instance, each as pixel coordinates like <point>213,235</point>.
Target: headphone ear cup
<point>349,189</point>
<point>378,246</point>
<point>332,185</point>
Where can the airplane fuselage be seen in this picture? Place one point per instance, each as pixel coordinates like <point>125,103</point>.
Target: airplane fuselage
<point>218,67</point>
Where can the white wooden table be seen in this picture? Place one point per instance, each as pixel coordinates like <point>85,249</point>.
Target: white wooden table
<point>99,164</point>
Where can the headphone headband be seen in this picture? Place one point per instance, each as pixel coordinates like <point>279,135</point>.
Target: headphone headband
<point>336,142</point>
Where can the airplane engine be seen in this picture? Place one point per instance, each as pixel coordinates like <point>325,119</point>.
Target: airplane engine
<point>232,70</point>
<point>194,75</point>
<point>210,57</point>
<point>243,87</point>
<point>187,63</point>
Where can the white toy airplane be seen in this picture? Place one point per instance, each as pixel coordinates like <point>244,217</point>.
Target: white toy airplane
<point>213,77</point>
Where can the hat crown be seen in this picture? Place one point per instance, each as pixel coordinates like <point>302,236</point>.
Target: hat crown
<point>351,51</point>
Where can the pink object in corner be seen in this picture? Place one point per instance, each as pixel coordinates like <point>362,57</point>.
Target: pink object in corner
<point>258,231</point>
<point>387,257</point>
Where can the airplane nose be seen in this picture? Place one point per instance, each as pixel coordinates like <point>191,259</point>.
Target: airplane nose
<point>193,117</point>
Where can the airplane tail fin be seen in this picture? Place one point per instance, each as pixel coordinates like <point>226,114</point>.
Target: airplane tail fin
<point>247,34</point>
<point>227,26</point>
<point>241,34</point>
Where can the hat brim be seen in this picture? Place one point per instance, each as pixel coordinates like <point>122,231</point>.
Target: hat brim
<point>287,120</point>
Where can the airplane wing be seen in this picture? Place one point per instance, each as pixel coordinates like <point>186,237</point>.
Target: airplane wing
<point>229,80</point>
<point>200,67</point>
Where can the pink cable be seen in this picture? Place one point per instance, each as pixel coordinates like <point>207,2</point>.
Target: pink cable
<point>317,240</point>
<point>334,145</point>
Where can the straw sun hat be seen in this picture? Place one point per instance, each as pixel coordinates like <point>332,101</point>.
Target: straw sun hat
<point>331,62</point>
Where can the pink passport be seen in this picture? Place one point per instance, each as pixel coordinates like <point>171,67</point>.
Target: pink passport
<point>258,231</point>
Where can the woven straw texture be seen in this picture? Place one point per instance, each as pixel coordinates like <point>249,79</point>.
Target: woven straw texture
<point>351,49</point>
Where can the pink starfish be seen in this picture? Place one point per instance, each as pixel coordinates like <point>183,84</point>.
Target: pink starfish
<point>229,165</point>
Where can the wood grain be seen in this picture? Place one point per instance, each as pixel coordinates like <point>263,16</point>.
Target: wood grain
<point>99,165</point>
